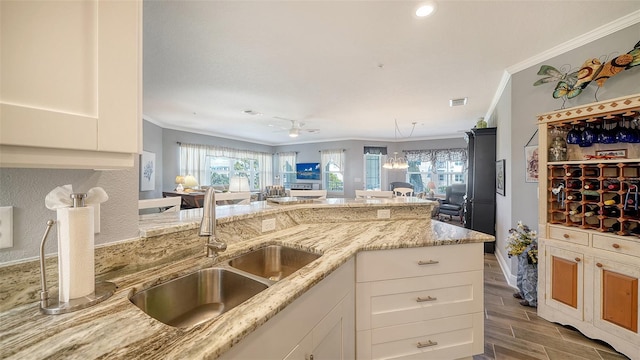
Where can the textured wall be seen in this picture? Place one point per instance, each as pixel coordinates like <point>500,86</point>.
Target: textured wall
<point>152,142</point>
<point>25,190</point>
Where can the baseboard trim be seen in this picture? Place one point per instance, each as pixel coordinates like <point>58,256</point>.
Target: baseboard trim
<point>512,280</point>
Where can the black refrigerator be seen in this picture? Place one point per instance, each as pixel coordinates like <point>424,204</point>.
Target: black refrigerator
<point>480,204</point>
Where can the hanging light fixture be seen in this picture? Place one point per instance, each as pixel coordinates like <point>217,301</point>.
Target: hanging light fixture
<point>395,162</point>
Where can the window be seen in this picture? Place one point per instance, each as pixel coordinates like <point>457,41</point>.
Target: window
<point>214,165</point>
<point>372,171</point>
<point>449,172</point>
<point>220,169</point>
<point>332,171</point>
<point>419,174</point>
<point>443,167</point>
<point>287,168</point>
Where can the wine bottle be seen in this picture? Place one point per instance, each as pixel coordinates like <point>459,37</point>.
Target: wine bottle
<point>615,200</point>
<point>574,197</point>
<point>591,210</point>
<point>631,202</point>
<point>611,211</point>
<point>574,173</point>
<point>574,184</point>
<point>615,227</point>
<point>590,195</point>
<point>612,185</point>
<point>576,211</point>
<point>591,185</point>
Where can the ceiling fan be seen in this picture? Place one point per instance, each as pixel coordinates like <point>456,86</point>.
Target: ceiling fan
<point>296,127</point>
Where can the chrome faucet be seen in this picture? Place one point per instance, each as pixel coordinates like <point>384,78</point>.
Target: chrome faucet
<point>208,225</point>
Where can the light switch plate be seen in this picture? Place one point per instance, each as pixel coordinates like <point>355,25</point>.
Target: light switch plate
<point>268,225</point>
<point>6,227</point>
<point>384,214</point>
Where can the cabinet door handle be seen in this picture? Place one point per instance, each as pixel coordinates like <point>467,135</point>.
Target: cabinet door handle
<point>310,357</point>
<point>428,262</point>
<point>616,246</point>
<point>599,265</point>
<point>578,259</point>
<point>428,298</point>
<point>427,344</point>
<point>566,236</point>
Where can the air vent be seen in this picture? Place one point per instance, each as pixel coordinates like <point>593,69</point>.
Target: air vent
<point>251,112</point>
<point>458,102</point>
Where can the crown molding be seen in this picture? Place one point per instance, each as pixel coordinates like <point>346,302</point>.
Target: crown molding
<point>595,34</point>
<point>586,38</point>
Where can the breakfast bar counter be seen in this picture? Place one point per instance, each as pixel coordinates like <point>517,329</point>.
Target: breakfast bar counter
<point>337,229</point>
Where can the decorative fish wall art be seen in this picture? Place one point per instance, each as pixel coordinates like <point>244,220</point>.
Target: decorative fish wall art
<point>570,84</point>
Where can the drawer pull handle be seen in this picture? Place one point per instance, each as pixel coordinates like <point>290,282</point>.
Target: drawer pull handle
<point>428,298</point>
<point>578,259</point>
<point>566,236</point>
<point>599,265</point>
<point>428,262</point>
<point>616,246</point>
<point>427,344</point>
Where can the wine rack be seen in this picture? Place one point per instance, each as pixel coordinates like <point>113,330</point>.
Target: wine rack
<point>598,196</point>
<point>592,190</point>
<point>589,225</point>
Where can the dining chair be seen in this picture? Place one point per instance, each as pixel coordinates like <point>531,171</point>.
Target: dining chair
<point>401,191</point>
<point>373,194</point>
<point>167,204</point>
<point>317,194</point>
<point>238,198</point>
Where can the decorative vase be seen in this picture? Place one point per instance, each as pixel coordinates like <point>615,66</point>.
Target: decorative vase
<point>481,124</point>
<point>527,278</point>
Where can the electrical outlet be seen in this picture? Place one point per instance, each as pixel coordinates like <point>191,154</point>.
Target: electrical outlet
<point>384,214</point>
<point>268,225</point>
<point>6,227</point>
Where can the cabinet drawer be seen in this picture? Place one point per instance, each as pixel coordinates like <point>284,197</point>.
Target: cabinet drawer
<point>563,233</point>
<point>617,245</point>
<point>394,302</point>
<point>410,262</point>
<point>444,338</point>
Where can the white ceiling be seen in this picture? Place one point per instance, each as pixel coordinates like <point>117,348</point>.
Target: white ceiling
<point>347,68</point>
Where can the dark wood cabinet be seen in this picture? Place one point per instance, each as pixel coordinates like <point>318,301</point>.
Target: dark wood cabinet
<point>480,204</point>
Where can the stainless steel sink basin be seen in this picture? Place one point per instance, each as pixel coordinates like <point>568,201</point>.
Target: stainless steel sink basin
<point>197,297</point>
<point>273,262</point>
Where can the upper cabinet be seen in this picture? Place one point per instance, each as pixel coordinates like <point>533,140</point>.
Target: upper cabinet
<point>70,83</point>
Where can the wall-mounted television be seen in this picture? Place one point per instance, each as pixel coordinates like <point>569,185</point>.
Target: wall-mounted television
<point>308,171</point>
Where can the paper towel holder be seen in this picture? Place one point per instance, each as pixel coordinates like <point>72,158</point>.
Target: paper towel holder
<point>103,290</point>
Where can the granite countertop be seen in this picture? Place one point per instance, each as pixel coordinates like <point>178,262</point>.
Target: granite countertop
<point>118,329</point>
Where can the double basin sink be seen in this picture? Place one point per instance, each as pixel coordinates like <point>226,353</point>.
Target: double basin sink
<point>207,293</point>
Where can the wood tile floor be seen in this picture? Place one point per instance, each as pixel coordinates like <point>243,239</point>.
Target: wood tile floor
<point>512,331</point>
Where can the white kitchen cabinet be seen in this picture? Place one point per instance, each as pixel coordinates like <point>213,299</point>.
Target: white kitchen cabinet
<point>564,285</point>
<point>420,303</point>
<point>589,266</point>
<point>70,83</point>
<point>318,325</point>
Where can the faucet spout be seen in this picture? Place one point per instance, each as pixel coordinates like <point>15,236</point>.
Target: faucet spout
<point>208,225</point>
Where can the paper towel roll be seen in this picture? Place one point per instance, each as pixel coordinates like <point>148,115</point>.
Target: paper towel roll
<point>76,271</point>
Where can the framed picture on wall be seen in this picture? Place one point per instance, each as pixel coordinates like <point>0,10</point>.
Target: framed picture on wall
<point>531,163</point>
<point>500,164</point>
<point>147,171</point>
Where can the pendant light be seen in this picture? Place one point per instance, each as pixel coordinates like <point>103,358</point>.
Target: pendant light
<point>395,162</point>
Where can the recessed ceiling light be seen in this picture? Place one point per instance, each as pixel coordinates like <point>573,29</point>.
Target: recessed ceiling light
<point>426,9</point>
